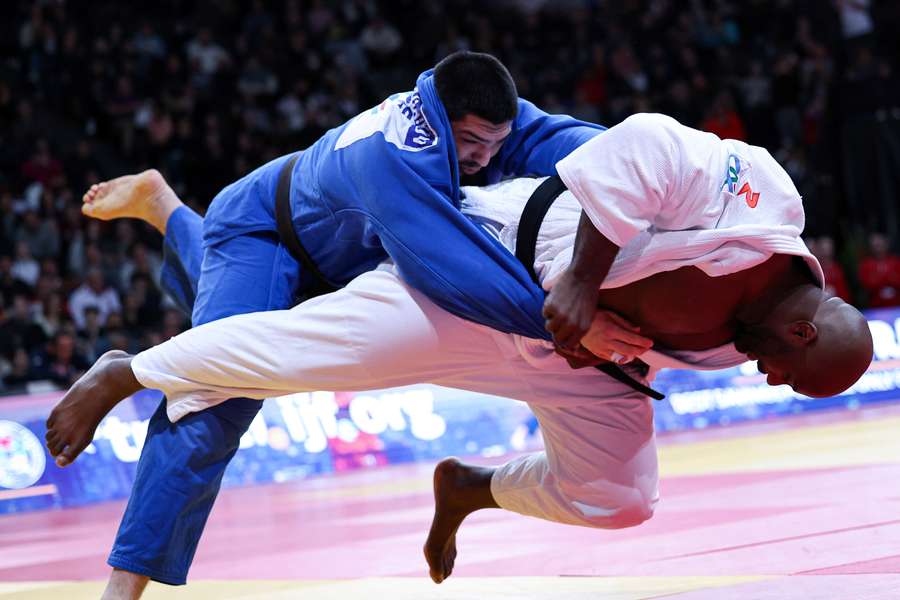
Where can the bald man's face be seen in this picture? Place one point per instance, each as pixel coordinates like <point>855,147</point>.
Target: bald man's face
<point>796,369</point>
<point>780,360</point>
<point>817,358</point>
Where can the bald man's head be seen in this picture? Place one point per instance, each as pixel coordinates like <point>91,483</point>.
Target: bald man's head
<point>818,345</point>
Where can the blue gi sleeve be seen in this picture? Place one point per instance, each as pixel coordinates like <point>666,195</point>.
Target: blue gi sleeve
<point>539,140</point>
<point>444,255</point>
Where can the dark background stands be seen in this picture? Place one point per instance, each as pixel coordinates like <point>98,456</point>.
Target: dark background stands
<point>206,91</point>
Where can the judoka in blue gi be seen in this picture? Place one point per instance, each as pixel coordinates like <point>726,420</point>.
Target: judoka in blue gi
<point>385,183</point>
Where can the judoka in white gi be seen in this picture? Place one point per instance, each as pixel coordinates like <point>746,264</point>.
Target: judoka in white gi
<point>710,257</point>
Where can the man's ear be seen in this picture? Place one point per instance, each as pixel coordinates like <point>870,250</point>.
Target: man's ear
<point>802,333</point>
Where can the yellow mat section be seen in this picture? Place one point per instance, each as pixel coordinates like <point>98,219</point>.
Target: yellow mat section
<point>863,442</point>
<point>396,588</point>
<point>846,444</point>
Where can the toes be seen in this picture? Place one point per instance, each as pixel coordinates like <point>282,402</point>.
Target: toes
<point>65,458</point>
<point>90,194</point>
<point>435,567</point>
<point>56,445</point>
<point>64,452</point>
<point>432,572</point>
<point>71,452</point>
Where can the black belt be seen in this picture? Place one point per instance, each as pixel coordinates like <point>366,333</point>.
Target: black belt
<point>526,243</point>
<point>285,224</point>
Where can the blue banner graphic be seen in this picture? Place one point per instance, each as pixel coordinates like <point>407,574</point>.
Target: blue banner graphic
<point>307,434</point>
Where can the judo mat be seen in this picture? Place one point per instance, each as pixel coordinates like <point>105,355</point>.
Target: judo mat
<point>796,507</point>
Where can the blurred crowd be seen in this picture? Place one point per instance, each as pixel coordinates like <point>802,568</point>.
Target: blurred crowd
<point>207,90</point>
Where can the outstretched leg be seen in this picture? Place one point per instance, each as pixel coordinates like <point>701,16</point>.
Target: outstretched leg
<point>459,490</point>
<point>71,424</point>
<point>147,196</point>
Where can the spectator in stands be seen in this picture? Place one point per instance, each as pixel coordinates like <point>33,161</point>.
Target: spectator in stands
<point>207,58</point>
<point>42,167</point>
<point>257,80</point>
<point>60,363</point>
<point>20,371</point>
<point>93,292</point>
<point>786,95</point>
<point>82,167</point>
<point>835,279</point>
<point>8,220</point>
<point>92,337</point>
<point>722,118</point>
<point>140,262</point>
<point>879,273</point>
<point>290,108</point>
<point>148,301</point>
<point>681,103</point>
<point>17,327</point>
<point>40,235</point>
<point>51,316</point>
<point>119,340</point>
<point>25,268</point>
<point>10,285</point>
<point>147,43</point>
<point>856,20</point>
<point>86,235</point>
<point>380,40</point>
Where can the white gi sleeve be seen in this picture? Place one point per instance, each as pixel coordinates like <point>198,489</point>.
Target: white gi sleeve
<point>647,171</point>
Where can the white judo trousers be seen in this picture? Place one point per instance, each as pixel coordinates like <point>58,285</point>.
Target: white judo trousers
<point>599,467</point>
<point>670,196</point>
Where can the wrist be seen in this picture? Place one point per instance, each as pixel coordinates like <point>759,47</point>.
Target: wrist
<point>585,278</point>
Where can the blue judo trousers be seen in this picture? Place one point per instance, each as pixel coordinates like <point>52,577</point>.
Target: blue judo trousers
<point>384,184</point>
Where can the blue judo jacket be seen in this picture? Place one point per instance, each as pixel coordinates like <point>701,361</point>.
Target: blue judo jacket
<point>387,183</point>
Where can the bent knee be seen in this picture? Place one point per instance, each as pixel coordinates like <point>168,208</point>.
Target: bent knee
<point>624,508</point>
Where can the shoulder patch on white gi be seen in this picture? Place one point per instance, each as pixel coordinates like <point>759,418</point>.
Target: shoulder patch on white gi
<point>399,118</point>
<point>732,173</point>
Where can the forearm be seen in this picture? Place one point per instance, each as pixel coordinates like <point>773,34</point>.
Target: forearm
<point>572,303</point>
<point>592,256</point>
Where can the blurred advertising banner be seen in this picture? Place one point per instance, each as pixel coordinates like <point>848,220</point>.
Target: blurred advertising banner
<point>292,437</point>
<point>307,434</point>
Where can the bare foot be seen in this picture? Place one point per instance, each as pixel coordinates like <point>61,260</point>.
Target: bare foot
<point>71,425</point>
<point>144,196</point>
<point>459,490</point>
